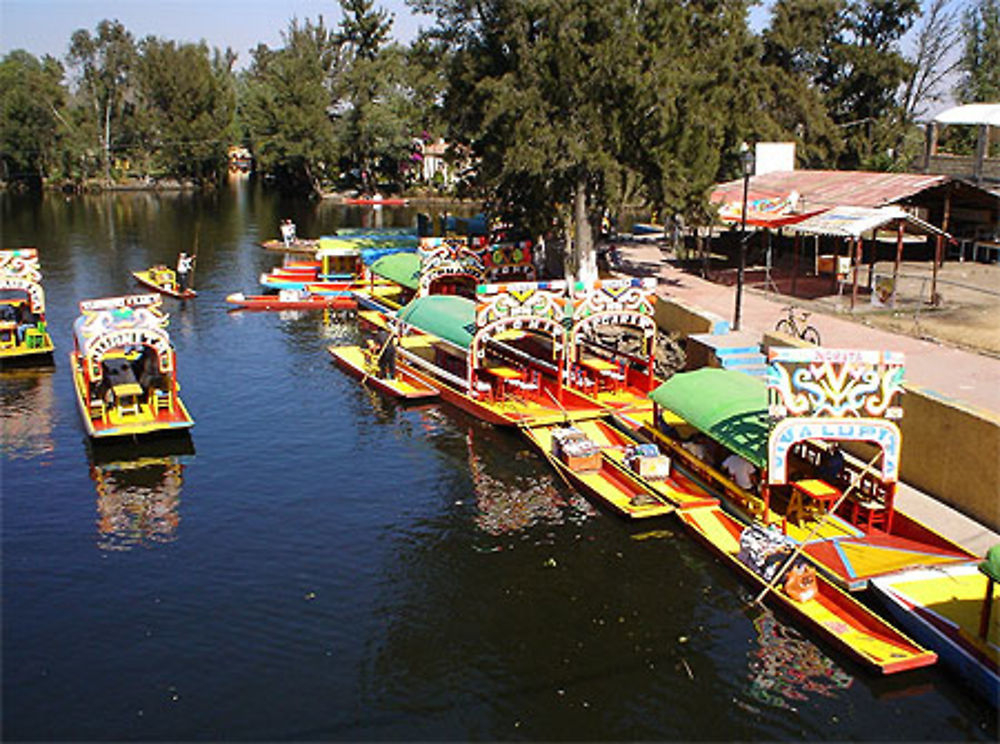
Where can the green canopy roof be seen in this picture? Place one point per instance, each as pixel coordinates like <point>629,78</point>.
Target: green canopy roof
<point>450,317</point>
<point>728,406</point>
<point>991,566</point>
<point>402,268</point>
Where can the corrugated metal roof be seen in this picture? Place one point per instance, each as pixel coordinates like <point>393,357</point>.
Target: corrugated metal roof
<point>820,189</point>
<point>857,221</point>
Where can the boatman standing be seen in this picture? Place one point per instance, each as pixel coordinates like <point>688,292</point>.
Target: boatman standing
<point>288,232</point>
<point>184,264</point>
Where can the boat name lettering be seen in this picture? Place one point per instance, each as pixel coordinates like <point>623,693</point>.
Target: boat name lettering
<point>130,337</point>
<point>790,431</point>
<point>110,303</point>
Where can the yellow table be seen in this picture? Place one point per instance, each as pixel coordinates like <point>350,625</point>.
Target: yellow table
<point>127,394</point>
<point>808,493</point>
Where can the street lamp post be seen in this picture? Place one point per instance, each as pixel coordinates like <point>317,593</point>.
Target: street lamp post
<point>746,161</point>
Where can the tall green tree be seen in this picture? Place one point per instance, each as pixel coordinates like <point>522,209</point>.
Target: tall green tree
<point>32,98</point>
<point>980,63</point>
<point>569,104</point>
<point>374,106</point>
<point>286,106</point>
<point>189,103</point>
<point>847,52</point>
<point>105,62</point>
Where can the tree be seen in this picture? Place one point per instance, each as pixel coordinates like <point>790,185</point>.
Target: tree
<point>189,105</point>
<point>848,53</point>
<point>32,98</point>
<point>106,62</point>
<point>374,121</point>
<point>569,105</point>
<point>285,106</point>
<point>980,63</point>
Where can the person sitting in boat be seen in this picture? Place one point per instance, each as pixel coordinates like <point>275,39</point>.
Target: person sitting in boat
<point>741,472</point>
<point>831,468</point>
<point>700,447</point>
<point>184,264</point>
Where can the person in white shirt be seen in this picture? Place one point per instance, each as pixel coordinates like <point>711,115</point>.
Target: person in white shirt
<point>288,232</point>
<point>184,264</point>
<point>742,473</point>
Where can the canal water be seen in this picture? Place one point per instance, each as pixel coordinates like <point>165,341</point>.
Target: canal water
<point>319,563</point>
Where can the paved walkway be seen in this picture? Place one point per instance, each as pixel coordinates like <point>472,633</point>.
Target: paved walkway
<point>962,375</point>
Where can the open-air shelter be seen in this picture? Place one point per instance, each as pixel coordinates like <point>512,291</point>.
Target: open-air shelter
<point>855,224</point>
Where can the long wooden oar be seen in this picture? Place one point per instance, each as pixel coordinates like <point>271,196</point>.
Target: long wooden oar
<point>802,546</point>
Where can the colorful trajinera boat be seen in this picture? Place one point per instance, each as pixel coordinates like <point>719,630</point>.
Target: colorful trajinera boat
<point>607,463</point>
<point>163,279</point>
<point>823,403</point>
<point>375,366</point>
<point>24,336</point>
<point>124,368</point>
<point>954,610</point>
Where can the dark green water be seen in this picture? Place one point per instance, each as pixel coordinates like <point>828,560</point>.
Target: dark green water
<point>324,564</point>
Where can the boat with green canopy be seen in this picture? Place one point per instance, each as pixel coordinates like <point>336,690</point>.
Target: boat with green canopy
<point>498,357</point>
<point>846,516</point>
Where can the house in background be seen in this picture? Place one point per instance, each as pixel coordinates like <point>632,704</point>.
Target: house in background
<point>982,168</point>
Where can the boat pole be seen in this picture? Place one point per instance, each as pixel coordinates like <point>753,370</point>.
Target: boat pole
<point>802,546</point>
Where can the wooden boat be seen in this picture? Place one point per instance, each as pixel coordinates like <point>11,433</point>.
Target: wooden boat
<point>376,200</point>
<point>832,614</point>
<point>675,485</point>
<point>124,368</point>
<point>24,336</point>
<point>290,299</point>
<point>583,464</point>
<point>493,357</point>
<point>852,544</point>
<point>955,611</point>
<point>299,245</point>
<point>164,280</point>
<point>362,364</point>
<point>339,268</point>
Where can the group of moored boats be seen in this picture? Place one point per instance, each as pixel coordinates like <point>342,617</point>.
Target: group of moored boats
<point>466,321</point>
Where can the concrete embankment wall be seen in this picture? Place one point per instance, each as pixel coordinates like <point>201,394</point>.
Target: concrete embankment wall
<point>951,451</point>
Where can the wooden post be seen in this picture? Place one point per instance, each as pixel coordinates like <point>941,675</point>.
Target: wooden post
<point>939,244</point>
<point>899,258</point>
<point>984,615</point>
<point>795,260</point>
<point>856,261</point>
<point>836,255</point>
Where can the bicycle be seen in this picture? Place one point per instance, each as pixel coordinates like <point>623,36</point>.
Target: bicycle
<point>797,327</point>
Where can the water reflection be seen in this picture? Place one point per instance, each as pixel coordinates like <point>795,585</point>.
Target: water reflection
<point>139,492</point>
<point>515,504</point>
<point>26,411</point>
<point>786,668</point>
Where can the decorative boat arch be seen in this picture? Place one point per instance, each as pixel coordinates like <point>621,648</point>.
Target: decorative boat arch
<point>19,270</point>
<point>622,302</point>
<point>442,258</point>
<point>534,306</point>
<point>833,394</point>
<point>510,261</point>
<point>117,322</point>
